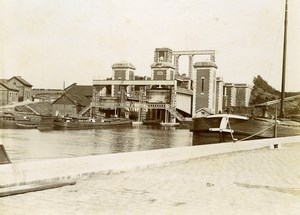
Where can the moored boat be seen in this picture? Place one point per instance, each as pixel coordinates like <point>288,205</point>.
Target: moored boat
<point>152,121</point>
<point>170,124</point>
<point>9,121</point>
<point>89,123</point>
<point>137,123</point>
<point>26,126</point>
<point>220,128</point>
<point>46,123</point>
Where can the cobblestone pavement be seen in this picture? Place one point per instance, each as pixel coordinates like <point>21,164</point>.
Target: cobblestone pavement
<point>261,181</point>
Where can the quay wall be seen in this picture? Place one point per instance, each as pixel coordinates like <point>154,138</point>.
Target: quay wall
<point>73,168</point>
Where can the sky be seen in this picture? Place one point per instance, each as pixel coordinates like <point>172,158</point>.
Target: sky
<point>49,42</point>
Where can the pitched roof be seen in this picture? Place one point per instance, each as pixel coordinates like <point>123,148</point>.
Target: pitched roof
<point>78,99</point>
<point>21,80</point>
<point>84,90</point>
<point>7,85</point>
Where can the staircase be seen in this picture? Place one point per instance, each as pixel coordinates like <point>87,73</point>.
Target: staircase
<point>175,113</point>
<point>84,110</point>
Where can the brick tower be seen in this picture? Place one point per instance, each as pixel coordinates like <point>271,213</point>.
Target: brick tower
<point>204,87</point>
<point>162,68</point>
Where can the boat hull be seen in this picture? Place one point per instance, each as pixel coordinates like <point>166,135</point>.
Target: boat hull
<point>152,122</point>
<point>89,125</point>
<point>26,126</point>
<point>242,130</point>
<point>203,138</point>
<point>8,124</point>
<point>46,123</point>
<point>16,124</point>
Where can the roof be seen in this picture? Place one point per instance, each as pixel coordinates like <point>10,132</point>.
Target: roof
<point>205,64</point>
<point>7,85</point>
<point>162,64</point>
<point>123,64</point>
<point>21,80</point>
<point>238,85</point>
<point>207,110</point>
<point>78,99</point>
<point>83,90</point>
<point>75,99</point>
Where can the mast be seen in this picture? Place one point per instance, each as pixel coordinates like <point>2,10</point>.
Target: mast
<point>281,115</point>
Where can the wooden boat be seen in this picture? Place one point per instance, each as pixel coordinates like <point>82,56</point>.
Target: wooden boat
<point>89,123</point>
<point>46,123</point>
<point>152,121</point>
<point>26,126</point>
<point>9,121</point>
<point>229,128</point>
<point>295,117</point>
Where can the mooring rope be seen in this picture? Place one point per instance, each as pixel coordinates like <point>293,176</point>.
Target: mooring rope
<point>232,137</point>
<point>255,133</point>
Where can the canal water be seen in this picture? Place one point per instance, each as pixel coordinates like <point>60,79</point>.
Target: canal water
<point>31,144</point>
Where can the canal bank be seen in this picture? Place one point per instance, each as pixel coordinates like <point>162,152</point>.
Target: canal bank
<point>73,168</point>
<point>261,181</point>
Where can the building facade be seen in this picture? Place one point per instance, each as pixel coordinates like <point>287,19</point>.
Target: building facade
<point>8,94</point>
<point>166,95</point>
<point>74,100</point>
<point>237,95</point>
<point>23,86</point>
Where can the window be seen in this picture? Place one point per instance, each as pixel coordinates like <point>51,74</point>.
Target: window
<point>202,85</point>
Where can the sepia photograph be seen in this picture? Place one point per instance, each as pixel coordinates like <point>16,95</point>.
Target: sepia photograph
<point>149,107</point>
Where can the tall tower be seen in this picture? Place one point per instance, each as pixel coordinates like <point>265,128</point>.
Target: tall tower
<point>162,67</point>
<point>121,71</point>
<point>204,87</point>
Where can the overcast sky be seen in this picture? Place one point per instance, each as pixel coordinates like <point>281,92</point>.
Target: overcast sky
<point>48,42</point>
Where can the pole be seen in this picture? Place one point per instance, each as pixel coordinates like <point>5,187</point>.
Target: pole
<point>275,125</point>
<point>281,115</point>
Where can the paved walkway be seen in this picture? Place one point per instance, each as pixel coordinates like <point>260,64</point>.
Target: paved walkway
<point>261,181</point>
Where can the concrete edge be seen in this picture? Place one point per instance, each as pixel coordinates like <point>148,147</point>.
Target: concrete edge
<point>17,174</point>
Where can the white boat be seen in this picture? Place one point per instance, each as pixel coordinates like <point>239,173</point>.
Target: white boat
<point>137,123</point>
<point>170,124</point>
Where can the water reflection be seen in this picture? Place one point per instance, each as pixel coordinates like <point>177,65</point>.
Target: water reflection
<point>26,144</point>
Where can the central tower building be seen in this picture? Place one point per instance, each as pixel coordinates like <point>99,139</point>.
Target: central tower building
<point>163,68</point>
